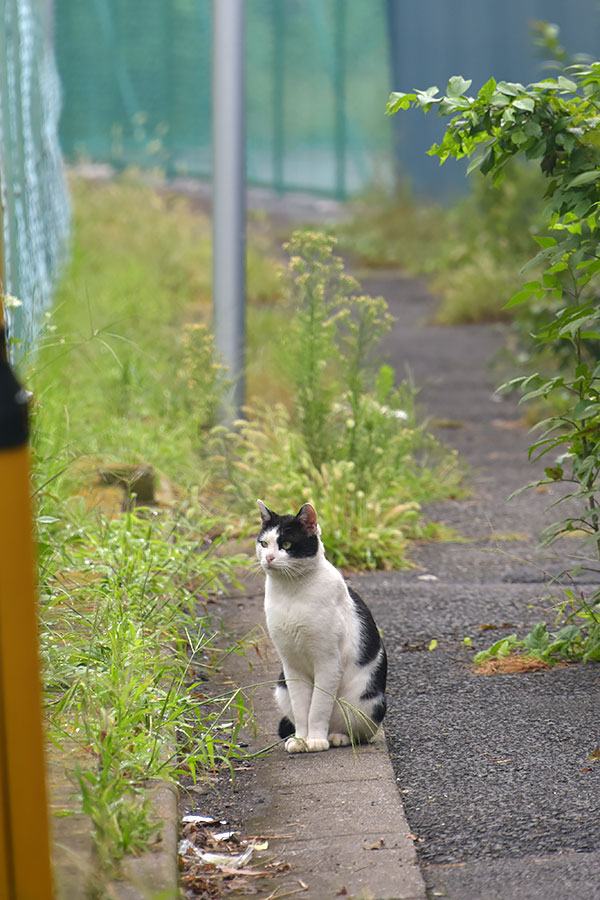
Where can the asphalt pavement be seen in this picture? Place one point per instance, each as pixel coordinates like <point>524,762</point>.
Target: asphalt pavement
<point>496,772</point>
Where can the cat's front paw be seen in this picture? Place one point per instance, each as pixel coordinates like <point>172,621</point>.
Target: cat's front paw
<point>296,745</point>
<point>316,744</point>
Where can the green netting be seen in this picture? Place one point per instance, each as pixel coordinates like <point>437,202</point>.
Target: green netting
<point>136,76</point>
<point>35,207</point>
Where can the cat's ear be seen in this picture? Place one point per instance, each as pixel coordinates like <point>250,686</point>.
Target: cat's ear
<point>266,515</point>
<point>307,515</point>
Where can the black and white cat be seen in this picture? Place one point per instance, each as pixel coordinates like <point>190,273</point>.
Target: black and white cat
<point>332,687</point>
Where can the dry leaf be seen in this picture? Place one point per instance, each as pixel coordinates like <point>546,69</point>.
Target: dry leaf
<point>378,845</point>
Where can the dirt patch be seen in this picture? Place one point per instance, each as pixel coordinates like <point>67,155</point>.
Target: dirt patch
<point>214,863</point>
<point>512,665</point>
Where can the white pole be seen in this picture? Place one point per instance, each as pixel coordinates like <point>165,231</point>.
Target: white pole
<point>229,200</point>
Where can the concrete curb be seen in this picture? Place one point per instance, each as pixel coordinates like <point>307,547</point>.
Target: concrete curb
<point>335,817</point>
<point>75,870</point>
<point>154,874</point>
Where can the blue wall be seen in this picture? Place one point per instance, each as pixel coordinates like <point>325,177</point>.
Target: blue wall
<point>435,39</point>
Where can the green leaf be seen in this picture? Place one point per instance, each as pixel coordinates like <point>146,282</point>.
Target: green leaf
<point>487,90</point>
<point>586,409</point>
<point>532,287</point>
<point>519,137</point>
<point>498,99</point>
<point>546,253</point>
<point>457,86</point>
<point>500,649</point>
<point>475,163</point>
<point>532,128</point>
<point>547,84</point>
<point>544,241</point>
<point>585,178</point>
<point>566,84</point>
<point>525,103</point>
<point>509,88</point>
<point>385,382</point>
<point>537,639</point>
<point>398,100</point>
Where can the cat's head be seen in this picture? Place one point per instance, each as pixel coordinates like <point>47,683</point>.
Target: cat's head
<point>288,545</point>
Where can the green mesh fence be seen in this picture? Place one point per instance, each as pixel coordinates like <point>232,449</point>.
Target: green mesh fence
<point>35,207</point>
<point>136,77</point>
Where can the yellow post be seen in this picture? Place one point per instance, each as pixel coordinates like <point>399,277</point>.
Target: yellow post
<point>24,842</point>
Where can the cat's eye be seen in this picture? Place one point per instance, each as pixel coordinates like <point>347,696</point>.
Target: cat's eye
<point>263,543</point>
<point>286,545</point>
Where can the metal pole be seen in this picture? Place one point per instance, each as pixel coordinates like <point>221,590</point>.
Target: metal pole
<point>278,19</point>
<point>340,99</point>
<point>229,199</point>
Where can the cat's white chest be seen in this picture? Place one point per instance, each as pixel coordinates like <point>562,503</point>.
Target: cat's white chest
<point>305,622</point>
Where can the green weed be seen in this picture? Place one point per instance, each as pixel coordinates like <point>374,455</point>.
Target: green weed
<point>351,442</point>
<point>123,342</point>
<point>118,597</point>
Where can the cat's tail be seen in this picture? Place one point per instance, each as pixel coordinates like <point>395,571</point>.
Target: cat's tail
<point>286,728</point>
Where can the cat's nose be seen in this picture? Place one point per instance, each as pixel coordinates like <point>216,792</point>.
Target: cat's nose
<point>270,557</point>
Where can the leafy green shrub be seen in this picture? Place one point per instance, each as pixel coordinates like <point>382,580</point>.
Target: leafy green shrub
<point>553,121</point>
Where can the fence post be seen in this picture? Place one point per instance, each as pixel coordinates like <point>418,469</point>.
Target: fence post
<point>229,200</point>
<point>24,840</point>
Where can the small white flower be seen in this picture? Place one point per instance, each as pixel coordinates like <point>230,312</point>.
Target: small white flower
<point>394,413</point>
<point>11,302</point>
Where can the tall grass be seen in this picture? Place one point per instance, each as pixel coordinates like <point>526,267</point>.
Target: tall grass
<point>122,343</point>
<point>125,374</point>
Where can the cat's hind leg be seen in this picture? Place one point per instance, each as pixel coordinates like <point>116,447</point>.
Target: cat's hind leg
<point>286,728</point>
<point>338,739</point>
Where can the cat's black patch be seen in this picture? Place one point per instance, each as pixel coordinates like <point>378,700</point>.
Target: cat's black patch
<point>376,685</point>
<point>378,711</point>
<point>286,728</point>
<point>281,682</point>
<point>370,641</point>
<point>271,522</point>
<point>303,545</point>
